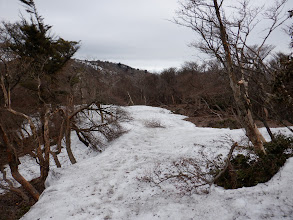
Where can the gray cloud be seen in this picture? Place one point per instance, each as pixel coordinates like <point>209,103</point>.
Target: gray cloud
<point>135,32</point>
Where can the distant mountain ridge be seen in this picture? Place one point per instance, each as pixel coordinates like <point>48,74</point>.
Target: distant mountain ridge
<point>109,67</point>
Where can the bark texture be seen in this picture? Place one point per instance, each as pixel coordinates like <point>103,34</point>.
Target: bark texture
<point>242,100</point>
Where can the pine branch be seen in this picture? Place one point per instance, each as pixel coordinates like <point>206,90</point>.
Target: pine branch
<point>29,3</point>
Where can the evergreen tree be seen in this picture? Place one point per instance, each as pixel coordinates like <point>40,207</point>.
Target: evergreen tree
<point>32,39</point>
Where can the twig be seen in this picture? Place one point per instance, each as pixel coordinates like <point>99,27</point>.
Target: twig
<point>227,163</point>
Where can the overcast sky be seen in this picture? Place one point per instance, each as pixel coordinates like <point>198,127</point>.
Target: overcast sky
<point>134,32</point>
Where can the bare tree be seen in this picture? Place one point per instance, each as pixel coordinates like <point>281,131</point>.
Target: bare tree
<point>225,29</point>
<point>13,164</point>
<point>28,45</point>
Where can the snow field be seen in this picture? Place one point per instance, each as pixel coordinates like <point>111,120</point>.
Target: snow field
<point>106,186</point>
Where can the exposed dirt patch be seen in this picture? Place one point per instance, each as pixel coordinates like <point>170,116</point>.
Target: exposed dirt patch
<point>205,117</point>
<point>13,207</point>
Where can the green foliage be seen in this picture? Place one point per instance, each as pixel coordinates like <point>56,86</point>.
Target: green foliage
<point>249,171</point>
<point>32,39</point>
<point>38,52</point>
<point>62,51</point>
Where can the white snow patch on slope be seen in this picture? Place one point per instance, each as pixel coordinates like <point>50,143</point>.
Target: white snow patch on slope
<point>106,186</point>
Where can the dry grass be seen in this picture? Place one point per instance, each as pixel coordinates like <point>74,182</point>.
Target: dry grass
<point>153,123</point>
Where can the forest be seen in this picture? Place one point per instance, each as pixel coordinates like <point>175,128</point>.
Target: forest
<point>47,97</point>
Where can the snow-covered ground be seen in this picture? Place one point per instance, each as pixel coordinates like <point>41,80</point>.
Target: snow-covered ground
<point>107,185</point>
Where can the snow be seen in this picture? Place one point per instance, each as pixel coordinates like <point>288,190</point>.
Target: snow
<point>90,64</point>
<point>107,185</point>
<point>31,170</point>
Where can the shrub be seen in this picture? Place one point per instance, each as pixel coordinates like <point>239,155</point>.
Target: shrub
<point>153,123</point>
<point>185,176</point>
<point>250,170</point>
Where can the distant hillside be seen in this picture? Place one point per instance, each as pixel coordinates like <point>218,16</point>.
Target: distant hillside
<point>109,67</point>
<point>202,93</point>
<point>110,83</point>
<point>118,83</point>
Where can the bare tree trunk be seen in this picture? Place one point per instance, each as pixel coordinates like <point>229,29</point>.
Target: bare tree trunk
<point>55,157</point>
<point>11,188</point>
<point>173,100</point>
<point>11,153</point>
<point>130,99</point>
<point>47,144</point>
<point>20,179</point>
<point>264,121</point>
<point>13,164</point>
<point>101,112</point>
<point>59,146</point>
<point>252,131</point>
<point>68,140</point>
<point>5,92</point>
<point>69,109</point>
<point>81,138</point>
<point>36,139</point>
<point>243,103</point>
